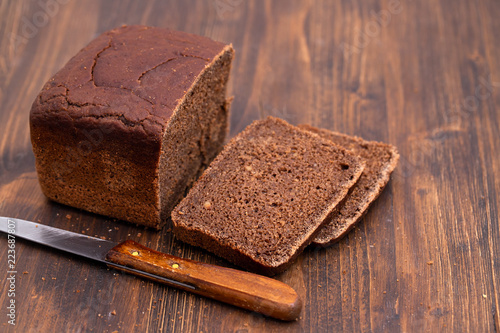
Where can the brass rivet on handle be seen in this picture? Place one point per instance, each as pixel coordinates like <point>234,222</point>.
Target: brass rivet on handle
<point>175,265</point>
<point>135,253</point>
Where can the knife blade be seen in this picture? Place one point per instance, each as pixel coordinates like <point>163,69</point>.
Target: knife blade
<point>243,289</point>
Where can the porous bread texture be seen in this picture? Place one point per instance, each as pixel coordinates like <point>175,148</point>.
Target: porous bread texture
<point>380,158</point>
<point>125,127</point>
<point>265,196</point>
<point>195,134</point>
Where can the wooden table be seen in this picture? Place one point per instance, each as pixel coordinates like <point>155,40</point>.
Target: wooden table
<point>423,75</point>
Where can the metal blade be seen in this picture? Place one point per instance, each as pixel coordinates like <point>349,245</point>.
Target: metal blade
<point>72,242</point>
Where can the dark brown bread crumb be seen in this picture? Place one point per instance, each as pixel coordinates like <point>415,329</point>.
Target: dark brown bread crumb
<point>381,159</point>
<point>127,125</point>
<point>263,198</point>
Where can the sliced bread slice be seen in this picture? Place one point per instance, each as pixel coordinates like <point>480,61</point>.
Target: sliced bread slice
<point>381,159</point>
<point>265,196</point>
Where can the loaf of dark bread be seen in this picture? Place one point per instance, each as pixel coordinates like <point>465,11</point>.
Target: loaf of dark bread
<point>127,125</point>
<point>265,196</point>
<point>380,158</point>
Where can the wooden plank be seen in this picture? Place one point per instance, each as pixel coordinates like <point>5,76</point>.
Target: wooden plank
<point>423,75</point>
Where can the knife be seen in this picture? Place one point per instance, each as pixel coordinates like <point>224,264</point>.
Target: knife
<point>243,289</point>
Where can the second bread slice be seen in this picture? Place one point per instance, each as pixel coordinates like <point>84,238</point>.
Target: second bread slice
<point>381,159</point>
<point>266,195</point>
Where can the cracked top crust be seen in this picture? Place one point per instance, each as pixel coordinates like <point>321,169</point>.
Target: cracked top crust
<point>133,76</point>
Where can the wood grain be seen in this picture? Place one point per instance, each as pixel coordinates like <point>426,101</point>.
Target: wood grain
<point>422,75</point>
<point>232,286</point>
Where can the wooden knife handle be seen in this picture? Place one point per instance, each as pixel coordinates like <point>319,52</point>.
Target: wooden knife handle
<point>246,290</point>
